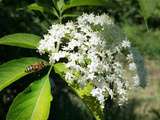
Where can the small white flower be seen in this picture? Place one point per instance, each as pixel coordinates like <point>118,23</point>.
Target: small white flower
<point>126,44</point>
<point>136,80</point>
<point>110,92</point>
<point>95,39</point>
<point>57,56</point>
<point>132,66</point>
<point>91,76</point>
<point>98,93</point>
<point>72,44</point>
<point>103,19</point>
<point>130,57</point>
<point>69,77</point>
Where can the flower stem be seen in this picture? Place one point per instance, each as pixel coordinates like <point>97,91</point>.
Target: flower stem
<point>146,24</point>
<point>50,69</point>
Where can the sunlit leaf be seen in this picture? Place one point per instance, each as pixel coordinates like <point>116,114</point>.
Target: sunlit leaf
<point>21,40</point>
<point>33,103</point>
<point>14,70</point>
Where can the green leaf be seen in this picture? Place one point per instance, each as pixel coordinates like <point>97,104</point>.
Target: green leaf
<point>60,4</point>
<point>14,70</point>
<point>21,40</point>
<point>54,11</point>
<point>86,91</point>
<point>42,9</point>
<point>76,3</point>
<point>33,103</point>
<point>71,15</point>
<point>91,101</point>
<point>36,7</point>
<point>60,68</point>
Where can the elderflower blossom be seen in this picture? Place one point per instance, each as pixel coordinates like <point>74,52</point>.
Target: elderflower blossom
<point>89,60</point>
<point>126,44</point>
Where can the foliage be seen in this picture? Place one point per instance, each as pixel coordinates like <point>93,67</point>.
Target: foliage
<point>33,102</point>
<point>21,40</point>
<point>35,18</point>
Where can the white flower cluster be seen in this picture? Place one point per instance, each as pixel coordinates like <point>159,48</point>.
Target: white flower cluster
<point>83,48</point>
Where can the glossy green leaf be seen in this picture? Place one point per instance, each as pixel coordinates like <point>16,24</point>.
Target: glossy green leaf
<point>21,40</point>
<point>14,70</point>
<point>76,3</point>
<point>33,103</point>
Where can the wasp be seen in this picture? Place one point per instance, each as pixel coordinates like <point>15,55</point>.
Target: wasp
<point>36,67</point>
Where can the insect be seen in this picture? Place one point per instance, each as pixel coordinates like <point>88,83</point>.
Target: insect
<point>36,67</point>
